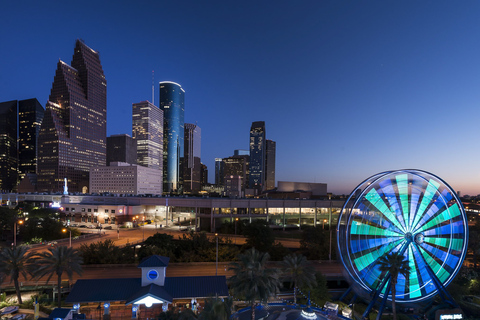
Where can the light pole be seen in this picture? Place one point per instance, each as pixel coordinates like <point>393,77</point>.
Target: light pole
<point>15,231</point>
<point>143,228</point>
<point>324,220</point>
<point>236,219</point>
<point>216,258</point>
<point>65,230</point>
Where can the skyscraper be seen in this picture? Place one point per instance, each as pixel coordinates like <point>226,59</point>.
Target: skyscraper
<point>73,133</point>
<point>237,166</point>
<point>192,155</point>
<point>121,148</point>
<point>147,130</point>
<point>219,165</point>
<point>8,145</point>
<point>172,102</point>
<point>257,156</point>
<point>30,116</point>
<point>270,165</point>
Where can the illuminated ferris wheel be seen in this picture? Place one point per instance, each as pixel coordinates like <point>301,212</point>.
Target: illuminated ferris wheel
<point>411,212</point>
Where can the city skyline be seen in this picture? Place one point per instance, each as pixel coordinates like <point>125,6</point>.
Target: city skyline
<point>346,90</point>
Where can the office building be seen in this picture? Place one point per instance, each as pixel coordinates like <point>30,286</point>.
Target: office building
<point>30,116</point>
<point>270,165</point>
<point>8,145</point>
<point>125,178</point>
<point>237,166</point>
<point>219,165</point>
<point>204,175</point>
<point>172,102</point>
<point>73,133</point>
<point>234,186</point>
<point>191,163</point>
<point>147,130</point>
<point>121,148</point>
<point>257,156</point>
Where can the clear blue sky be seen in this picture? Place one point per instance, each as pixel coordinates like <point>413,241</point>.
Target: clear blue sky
<point>346,88</point>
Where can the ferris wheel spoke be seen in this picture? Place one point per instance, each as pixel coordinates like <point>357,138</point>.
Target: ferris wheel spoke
<point>454,244</point>
<point>437,268</point>
<point>430,192</point>
<point>390,194</point>
<point>371,257</point>
<point>366,229</point>
<point>451,228</point>
<point>377,220</point>
<point>413,277</point>
<point>402,185</point>
<point>374,198</point>
<point>424,279</point>
<point>445,215</point>
<point>363,245</point>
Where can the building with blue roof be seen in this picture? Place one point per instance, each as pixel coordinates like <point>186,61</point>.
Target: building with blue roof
<point>152,288</point>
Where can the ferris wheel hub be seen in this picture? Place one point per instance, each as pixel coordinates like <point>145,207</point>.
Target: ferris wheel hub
<point>419,238</point>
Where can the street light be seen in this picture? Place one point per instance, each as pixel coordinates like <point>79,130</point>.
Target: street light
<point>143,227</point>
<point>65,230</point>
<point>324,220</point>
<point>216,259</point>
<point>236,219</point>
<point>15,231</point>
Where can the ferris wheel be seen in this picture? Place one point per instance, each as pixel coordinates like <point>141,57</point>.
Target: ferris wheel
<point>411,212</point>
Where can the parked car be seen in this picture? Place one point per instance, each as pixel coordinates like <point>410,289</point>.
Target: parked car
<point>91,226</point>
<point>108,228</point>
<point>82,226</point>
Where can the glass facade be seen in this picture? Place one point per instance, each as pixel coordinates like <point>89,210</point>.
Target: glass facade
<point>30,116</point>
<point>172,102</point>
<point>8,145</point>
<point>147,130</point>
<point>270,165</point>
<point>122,148</point>
<point>257,156</point>
<point>192,155</point>
<point>72,136</point>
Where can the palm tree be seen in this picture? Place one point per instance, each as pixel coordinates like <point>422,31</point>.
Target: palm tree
<point>394,264</point>
<point>57,261</point>
<point>299,272</point>
<point>252,279</point>
<point>15,261</point>
<point>216,309</point>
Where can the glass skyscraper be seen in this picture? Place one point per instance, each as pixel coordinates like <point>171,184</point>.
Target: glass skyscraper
<point>73,133</point>
<point>8,145</point>
<point>30,116</point>
<point>192,158</point>
<point>147,130</point>
<point>172,102</point>
<point>270,165</point>
<point>257,156</point>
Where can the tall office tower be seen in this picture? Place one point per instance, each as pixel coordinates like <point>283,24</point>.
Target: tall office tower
<point>204,175</point>
<point>147,130</point>
<point>8,145</point>
<point>191,162</point>
<point>257,156</point>
<point>172,102</point>
<point>30,116</point>
<point>121,148</point>
<point>237,166</point>
<point>270,165</point>
<point>219,165</point>
<point>73,133</point>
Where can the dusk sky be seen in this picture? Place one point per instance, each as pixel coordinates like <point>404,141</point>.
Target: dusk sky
<point>347,88</point>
